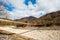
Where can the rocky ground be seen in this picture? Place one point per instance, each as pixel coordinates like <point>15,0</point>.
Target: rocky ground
<point>13,37</point>
<point>34,34</point>
<point>5,35</point>
<point>44,34</point>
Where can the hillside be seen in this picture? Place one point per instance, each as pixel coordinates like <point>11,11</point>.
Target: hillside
<point>48,19</point>
<point>25,19</point>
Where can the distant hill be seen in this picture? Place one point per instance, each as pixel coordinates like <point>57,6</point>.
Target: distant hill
<point>52,18</point>
<point>49,19</point>
<point>25,19</point>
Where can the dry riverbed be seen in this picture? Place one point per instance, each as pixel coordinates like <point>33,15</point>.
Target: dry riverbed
<point>35,34</point>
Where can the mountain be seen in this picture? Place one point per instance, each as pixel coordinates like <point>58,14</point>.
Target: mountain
<point>49,19</point>
<point>25,19</point>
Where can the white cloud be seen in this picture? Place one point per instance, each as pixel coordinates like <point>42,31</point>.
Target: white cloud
<point>49,5</point>
<point>42,7</point>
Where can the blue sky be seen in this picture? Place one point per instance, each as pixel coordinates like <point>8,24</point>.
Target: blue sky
<point>37,8</point>
<point>7,5</point>
<point>27,2</point>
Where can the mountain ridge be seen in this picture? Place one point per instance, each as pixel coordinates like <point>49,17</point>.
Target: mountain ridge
<point>52,18</point>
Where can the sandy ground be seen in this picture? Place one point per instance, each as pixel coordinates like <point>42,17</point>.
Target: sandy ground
<point>17,31</point>
<point>36,34</point>
<point>44,34</point>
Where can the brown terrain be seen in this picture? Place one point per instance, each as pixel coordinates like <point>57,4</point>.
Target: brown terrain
<point>25,19</point>
<point>49,20</point>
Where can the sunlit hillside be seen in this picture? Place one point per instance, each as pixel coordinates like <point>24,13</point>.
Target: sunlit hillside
<point>48,19</point>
